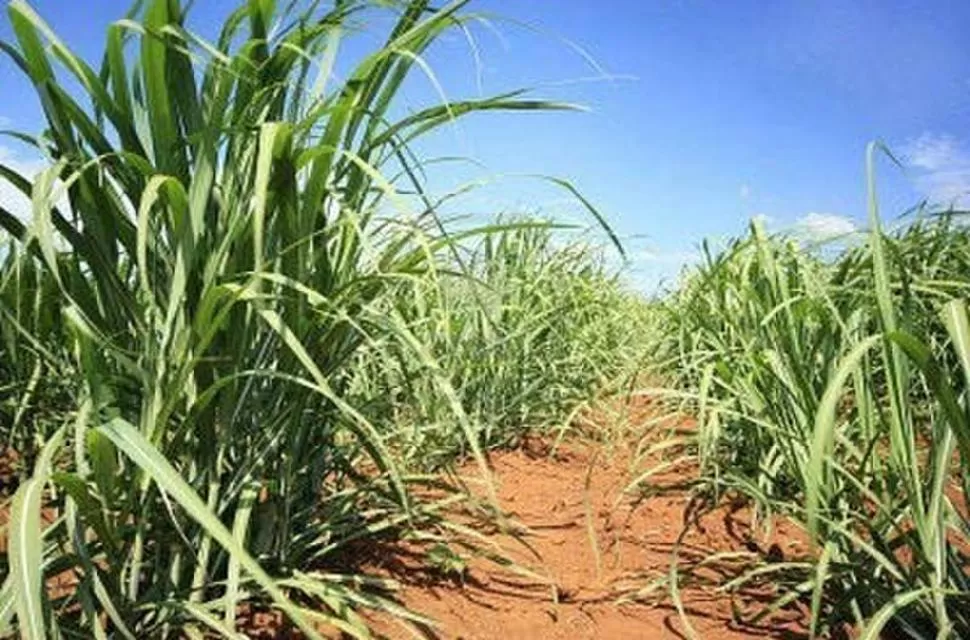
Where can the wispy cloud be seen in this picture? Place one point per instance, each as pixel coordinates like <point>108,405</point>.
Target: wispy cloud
<point>942,168</point>
<point>744,191</point>
<point>666,258</point>
<point>765,219</point>
<point>823,226</point>
<point>934,152</point>
<point>652,269</point>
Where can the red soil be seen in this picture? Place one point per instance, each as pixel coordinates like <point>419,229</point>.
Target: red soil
<point>559,502</point>
<point>578,590</point>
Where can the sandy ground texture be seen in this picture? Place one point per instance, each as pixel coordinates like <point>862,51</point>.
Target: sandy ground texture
<point>602,556</point>
<point>594,557</point>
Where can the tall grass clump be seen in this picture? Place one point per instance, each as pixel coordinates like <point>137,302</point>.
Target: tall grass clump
<point>36,385</point>
<point>833,391</point>
<point>217,238</point>
<point>527,328</point>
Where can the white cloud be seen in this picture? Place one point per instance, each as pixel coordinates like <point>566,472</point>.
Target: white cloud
<point>765,219</point>
<point>652,269</point>
<point>744,191</point>
<point>822,226</point>
<point>942,168</point>
<point>28,167</point>
<point>934,152</point>
<point>675,258</point>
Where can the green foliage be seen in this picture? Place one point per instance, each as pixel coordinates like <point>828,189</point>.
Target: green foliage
<point>833,392</point>
<point>526,332</point>
<point>36,387</point>
<point>192,320</point>
<point>445,561</point>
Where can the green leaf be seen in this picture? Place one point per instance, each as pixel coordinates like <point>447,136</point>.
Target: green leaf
<point>875,625</point>
<point>130,441</point>
<point>26,546</point>
<point>824,432</point>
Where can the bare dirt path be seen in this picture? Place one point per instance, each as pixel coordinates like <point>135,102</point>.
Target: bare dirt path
<point>561,502</point>
<point>600,558</point>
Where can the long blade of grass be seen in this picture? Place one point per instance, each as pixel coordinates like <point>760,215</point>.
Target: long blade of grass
<point>131,442</point>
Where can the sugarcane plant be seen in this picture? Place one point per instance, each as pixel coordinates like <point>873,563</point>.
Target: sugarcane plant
<point>213,239</point>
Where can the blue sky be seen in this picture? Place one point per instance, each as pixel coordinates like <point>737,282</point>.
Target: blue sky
<point>716,111</point>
